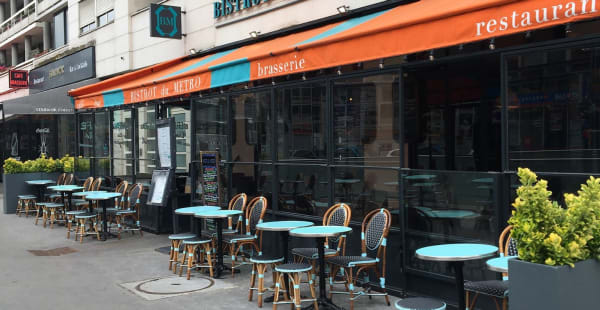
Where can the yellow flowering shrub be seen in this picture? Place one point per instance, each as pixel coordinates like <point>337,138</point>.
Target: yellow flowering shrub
<point>548,234</point>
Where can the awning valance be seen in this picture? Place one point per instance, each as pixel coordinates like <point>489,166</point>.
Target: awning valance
<point>414,27</point>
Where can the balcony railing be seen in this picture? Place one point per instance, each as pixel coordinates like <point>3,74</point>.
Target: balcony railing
<point>43,5</point>
<point>17,22</point>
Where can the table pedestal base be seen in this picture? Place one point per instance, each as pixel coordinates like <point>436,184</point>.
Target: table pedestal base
<point>460,283</point>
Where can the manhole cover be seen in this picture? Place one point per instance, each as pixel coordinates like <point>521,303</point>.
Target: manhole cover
<point>170,286</point>
<point>53,252</point>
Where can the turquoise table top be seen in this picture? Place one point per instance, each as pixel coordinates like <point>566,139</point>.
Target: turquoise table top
<point>499,264</point>
<point>65,188</point>
<point>455,252</point>
<point>420,177</point>
<point>102,196</point>
<point>82,194</point>
<point>196,209</point>
<point>217,214</point>
<point>40,182</point>
<point>449,214</point>
<point>347,181</point>
<point>282,225</point>
<point>425,184</point>
<point>320,231</point>
<point>484,180</point>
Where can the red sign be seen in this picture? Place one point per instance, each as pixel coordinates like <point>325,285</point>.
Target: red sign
<point>18,79</point>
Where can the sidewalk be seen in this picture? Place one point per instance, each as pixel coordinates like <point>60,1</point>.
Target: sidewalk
<point>91,277</point>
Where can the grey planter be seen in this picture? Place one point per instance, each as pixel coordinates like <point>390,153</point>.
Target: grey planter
<point>13,185</point>
<point>537,286</point>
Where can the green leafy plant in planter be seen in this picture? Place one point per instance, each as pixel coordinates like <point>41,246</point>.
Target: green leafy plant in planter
<point>13,166</point>
<point>548,234</point>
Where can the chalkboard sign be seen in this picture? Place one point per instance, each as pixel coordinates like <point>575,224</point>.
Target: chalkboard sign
<point>165,139</point>
<point>210,178</point>
<point>160,188</point>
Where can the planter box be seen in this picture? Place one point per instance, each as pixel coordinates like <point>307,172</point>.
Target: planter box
<point>13,185</point>
<point>537,286</point>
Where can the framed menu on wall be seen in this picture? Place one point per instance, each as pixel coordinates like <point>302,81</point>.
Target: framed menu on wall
<point>165,140</point>
<point>210,179</point>
<point>160,188</point>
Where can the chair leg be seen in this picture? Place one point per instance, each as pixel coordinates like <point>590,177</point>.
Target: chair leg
<point>277,289</point>
<point>191,250</point>
<point>379,275</point>
<point>52,218</point>
<point>118,220</point>
<point>351,288</point>
<point>296,286</point>
<point>183,260</point>
<point>175,254</point>
<point>261,268</point>
<point>311,284</point>
<point>69,227</point>
<point>504,303</point>
<point>208,249</point>
<point>81,230</point>
<point>252,282</point>
<point>37,213</point>
<point>171,254</point>
<point>45,216</point>
<point>95,223</point>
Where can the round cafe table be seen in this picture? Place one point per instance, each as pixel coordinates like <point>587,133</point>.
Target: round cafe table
<point>219,216</point>
<point>40,185</point>
<point>456,254</point>
<point>320,233</point>
<point>283,227</point>
<point>86,193</point>
<point>103,197</point>
<point>499,264</point>
<point>66,190</point>
<point>193,210</point>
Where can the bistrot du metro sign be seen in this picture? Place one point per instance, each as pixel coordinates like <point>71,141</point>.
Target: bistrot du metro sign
<point>165,21</point>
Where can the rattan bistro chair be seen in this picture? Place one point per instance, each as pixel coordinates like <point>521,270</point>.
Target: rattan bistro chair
<point>236,242</point>
<point>495,289</point>
<point>375,228</point>
<point>131,211</point>
<point>234,224</point>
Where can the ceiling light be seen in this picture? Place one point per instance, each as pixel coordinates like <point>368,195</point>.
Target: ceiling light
<point>273,82</point>
<point>461,47</point>
<point>492,44</point>
<point>193,51</point>
<point>254,34</point>
<point>431,56</point>
<point>304,76</point>
<point>568,28</point>
<point>343,9</point>
<point>339,71</point>
<point>381,64</point>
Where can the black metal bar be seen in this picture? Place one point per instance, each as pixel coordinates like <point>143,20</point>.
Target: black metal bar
<point>219,267</point>
<point>460,283</point>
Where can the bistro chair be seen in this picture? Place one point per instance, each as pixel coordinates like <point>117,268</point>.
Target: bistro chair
<point>337,215</point>
<point>120,203</point>
<point>236,242</point>
<point>87,185</point>
<point>51,212</point>
<point>84,219</point>
<point>375,228</point>
<point>59,181</point>
<point>80,204</point>
<point>294,272</point>
<point>234,224</point>
<point>197,253</point>
<point>176,244</point>
<point>131,211</point>
<point>26,204</point>
<point>495,289</point>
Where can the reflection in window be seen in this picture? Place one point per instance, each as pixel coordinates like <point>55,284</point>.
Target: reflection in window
<point>254,180</point>
<point>365,120</point>
<point>146,126</point>
<point>303,189</point>
<point>211,126</point>
<point>252,135</point>
<point>182,134</point>
<point>101,133</point>
<point>301,123</point>
<point>554,115</point>
<point>122,142</point>
<point>452,116</point>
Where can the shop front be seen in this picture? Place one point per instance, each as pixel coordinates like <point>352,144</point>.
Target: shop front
<point>426,109</point>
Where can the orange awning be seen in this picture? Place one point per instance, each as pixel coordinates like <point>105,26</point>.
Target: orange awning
<point>410,28</point>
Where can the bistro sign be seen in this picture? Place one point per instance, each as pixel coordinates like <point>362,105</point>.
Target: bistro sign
<point>18,79</point>
<point>67,70</point>
<point>165,21</point>
<point>228,7</point>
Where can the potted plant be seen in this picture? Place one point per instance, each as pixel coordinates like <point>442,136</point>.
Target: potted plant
<point>558,247</point>
<point>17,172</point>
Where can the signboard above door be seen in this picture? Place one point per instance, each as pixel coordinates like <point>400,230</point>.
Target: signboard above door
<point>165,21</point>
<point>18,79</point>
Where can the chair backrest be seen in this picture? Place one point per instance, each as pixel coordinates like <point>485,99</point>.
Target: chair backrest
<point>121,189</point>
<point>238,202</point>
<point>61,179</point>
<point>507,245</point>
<point>375,228</point>
<point>337,215</point>
<point>133,197</point>
<point>255,213</point>
<point>69,179</point>
<point>87,184</point>
<point>96,184</point>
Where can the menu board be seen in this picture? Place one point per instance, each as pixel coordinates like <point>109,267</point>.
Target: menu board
<point>160,187</point>
<point>209,176</point>
<point>165,139</point>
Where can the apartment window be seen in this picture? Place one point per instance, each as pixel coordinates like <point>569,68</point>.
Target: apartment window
<point>89,27</point>
<point>95,13</point>
<point>106,18</point>
<point>60,29</point>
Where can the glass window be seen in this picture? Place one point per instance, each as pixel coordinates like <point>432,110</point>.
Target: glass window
<point>86,134</point>
<point>301,123</point>
<point>66,131</point>
<point>254,180</point>
<point>110,15</point>
<point>303,189</point>
<point>252,135</point>
<point>452,116</point>
<point>146,127</point>
<point>211,126</point>
<point>102,133</point>
<point>18,140</point>
<point>554,120</point>
<point>122,143</point>
<point>102,20</point>
<point>182,136</point>
<point>60,29</point>
<point>365,112</point>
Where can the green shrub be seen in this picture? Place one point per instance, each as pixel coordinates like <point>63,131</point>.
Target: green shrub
<point>548,234</point>
<point>41,164</point>
<point>13,166</point>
